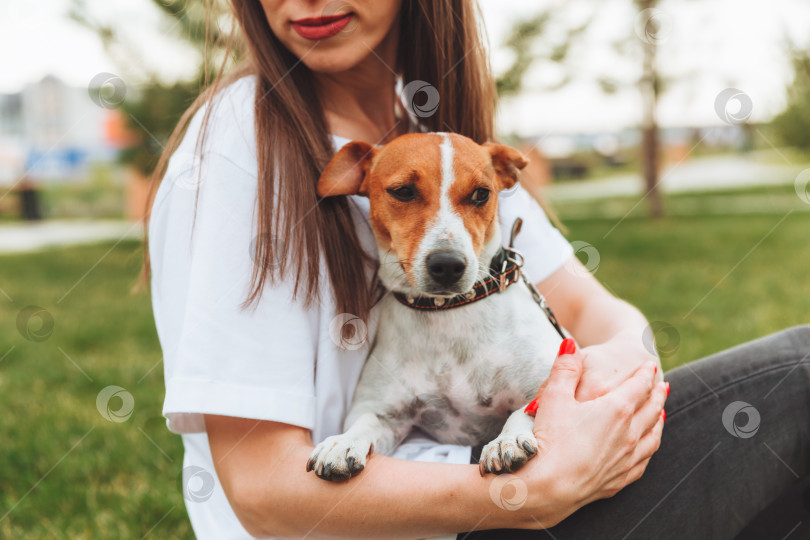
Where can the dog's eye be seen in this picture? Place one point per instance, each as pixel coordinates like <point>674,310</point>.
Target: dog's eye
<point>404,193</point>
<point>479,196</point>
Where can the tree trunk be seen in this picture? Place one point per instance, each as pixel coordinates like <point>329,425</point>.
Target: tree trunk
<point>650,148</point>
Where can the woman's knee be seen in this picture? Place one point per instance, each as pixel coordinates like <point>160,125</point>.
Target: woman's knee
<point>799,337</point>
<point>790,344</point>
<point>772,353</point>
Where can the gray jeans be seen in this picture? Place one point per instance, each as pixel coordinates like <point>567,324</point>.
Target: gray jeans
<point>736,438</point>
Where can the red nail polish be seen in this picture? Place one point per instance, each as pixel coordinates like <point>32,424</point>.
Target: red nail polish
<point>663,414</point>
<point>667,383</point>
<point>655,370</point>
<point>567,347</point>
<point>531,408</point>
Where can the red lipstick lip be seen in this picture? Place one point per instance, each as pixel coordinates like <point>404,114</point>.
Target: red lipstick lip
<point>318,21</point>
<point>321,27</point>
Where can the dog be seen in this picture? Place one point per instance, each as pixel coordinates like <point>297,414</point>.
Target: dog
<point>461,375</point>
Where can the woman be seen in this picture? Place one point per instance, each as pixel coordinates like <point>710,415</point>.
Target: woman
<point>252,274</point>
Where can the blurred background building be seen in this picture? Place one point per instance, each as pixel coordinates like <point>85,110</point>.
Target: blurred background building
<point>52,132</point>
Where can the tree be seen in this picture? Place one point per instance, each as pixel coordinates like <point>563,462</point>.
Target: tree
<point>196,22</point>
<point>650,88</point>
<point>650,29</point>
<point>529,43</point>
<point>154,107</point>
<point>793,124</point>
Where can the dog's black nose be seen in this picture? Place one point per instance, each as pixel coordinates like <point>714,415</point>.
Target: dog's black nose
<point>445,267</point>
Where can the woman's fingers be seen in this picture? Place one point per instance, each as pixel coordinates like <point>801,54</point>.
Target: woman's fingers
<point>615,434</point>
<point>565,372</point>
<point>636,389</point>
<point>647,446</point>
<point>650,440</point>
<point>561,384</point>
<point>649,414</point>
<point>640,458</point>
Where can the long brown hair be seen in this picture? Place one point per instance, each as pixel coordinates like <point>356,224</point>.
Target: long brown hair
<point>441,43</point>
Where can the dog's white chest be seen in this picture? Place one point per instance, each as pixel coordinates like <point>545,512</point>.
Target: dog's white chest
<point>461,372</point>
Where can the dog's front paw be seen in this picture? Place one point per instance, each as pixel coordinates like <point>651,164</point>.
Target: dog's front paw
<point>507,453</point>
<point>339,457</point>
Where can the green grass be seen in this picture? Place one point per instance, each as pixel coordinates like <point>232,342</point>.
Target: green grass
<point>100,195</point>
<point>67,472</point>
<point>749,200</point>
<point>717,280</point>
<point>88,477</point>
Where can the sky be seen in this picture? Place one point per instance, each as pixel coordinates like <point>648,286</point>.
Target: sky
<point>705,47</point>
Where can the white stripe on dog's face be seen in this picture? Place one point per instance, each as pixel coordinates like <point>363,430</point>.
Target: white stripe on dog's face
<point>446,234</point>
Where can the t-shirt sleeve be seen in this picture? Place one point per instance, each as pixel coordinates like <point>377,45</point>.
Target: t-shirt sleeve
<point>544,248</point>
<point>218,357</point>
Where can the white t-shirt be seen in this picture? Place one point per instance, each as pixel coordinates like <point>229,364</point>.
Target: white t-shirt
<point>261,364</point>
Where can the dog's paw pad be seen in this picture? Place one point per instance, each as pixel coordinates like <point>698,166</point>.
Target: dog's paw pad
<point>338,458</point>
<point>507,453</point>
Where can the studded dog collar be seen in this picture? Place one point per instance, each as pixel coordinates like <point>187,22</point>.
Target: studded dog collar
<point>504,270</point>
<point>496,282</point>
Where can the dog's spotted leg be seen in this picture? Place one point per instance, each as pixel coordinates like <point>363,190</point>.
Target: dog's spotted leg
<point>340,457</point>
<point>512,448</point>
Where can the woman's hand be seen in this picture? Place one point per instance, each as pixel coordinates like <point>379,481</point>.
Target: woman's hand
<point>608,364</point>
<point>590,450</point>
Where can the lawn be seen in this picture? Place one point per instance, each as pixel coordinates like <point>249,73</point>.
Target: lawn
<point>709,282</point>
<point>706,283</point>
<point>66,471</point>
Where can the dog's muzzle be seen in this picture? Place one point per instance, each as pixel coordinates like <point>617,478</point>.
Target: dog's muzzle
<point>445,267</point>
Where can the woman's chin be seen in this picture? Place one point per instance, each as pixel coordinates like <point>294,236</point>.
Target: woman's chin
<point>330,64</point>
<point>336,59</point>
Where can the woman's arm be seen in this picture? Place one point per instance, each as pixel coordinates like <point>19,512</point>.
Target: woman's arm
<point>609,329</point>
<point>589,450</point>
<point>262,469</point>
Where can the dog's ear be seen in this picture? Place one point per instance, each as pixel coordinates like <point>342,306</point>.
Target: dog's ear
<point>507,163</point>
<point>347,172</point>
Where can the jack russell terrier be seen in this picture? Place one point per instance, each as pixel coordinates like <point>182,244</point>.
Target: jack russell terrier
<point>461,344</point>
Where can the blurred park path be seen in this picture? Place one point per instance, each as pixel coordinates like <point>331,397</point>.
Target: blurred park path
<point>701,174</point>
<point>28,237</point>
